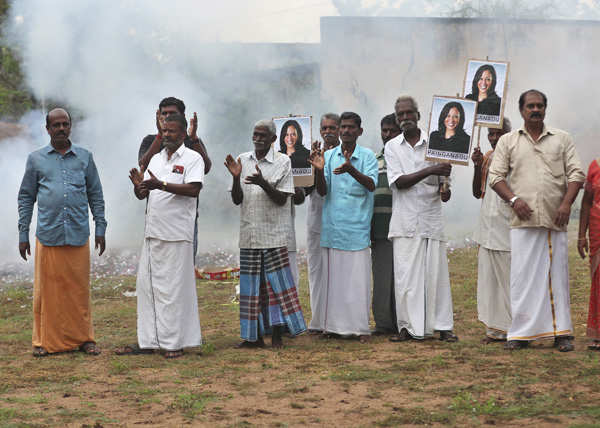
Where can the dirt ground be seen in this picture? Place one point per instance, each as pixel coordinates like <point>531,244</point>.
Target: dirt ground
<point>313,381</point>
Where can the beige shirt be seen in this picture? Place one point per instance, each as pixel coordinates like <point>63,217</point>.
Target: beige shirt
<point>539,172</point>
<point>493,231</point>
<point>263,223</point>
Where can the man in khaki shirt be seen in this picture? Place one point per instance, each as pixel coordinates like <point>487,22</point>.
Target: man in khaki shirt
<point>545,177</point>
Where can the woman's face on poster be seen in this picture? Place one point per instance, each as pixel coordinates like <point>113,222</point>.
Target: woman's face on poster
<point>291,136</point>
<point>452,120</point>
<point>484,82</point>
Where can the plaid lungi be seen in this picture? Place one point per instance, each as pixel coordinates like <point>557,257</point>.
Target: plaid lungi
<point>268,295</point>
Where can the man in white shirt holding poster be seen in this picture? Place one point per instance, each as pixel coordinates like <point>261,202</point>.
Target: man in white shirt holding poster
<point>422,282</point>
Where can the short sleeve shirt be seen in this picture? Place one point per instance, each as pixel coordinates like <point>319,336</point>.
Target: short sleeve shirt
<point>171,217</point>
<point>417,210</point>
<point>263,223</point>
<point>348,207</point>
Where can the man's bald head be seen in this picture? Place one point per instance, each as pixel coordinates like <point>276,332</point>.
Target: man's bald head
<point>52,114</point>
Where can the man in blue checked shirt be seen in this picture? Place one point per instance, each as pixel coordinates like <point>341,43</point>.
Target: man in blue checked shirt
<point>63,179</point>
<point>347,176</point>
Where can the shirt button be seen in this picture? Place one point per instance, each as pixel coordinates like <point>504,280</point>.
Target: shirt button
<point>64,208</point>
<point>65,195</point>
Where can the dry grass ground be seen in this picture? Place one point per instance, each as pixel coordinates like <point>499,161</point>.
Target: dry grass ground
<point>312,381</point>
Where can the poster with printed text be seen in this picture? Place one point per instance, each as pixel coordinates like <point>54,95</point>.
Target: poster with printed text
<point>486,82</point>
<point>294,137</point>
<point>450,131</point>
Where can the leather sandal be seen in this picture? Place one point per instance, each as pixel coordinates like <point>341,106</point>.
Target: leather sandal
<point>515,345</point>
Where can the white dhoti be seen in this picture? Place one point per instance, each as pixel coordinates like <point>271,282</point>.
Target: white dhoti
<point>422,286</point>
<point>493,291</point>
<point>348,291</point>
<point>317,280</point>
<point>539,284</point>
<point>167,304</point>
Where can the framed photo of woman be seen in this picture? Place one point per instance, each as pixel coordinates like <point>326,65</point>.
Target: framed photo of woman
<point>450,132</point>
<point>486,83</point>
<point>294,137</point>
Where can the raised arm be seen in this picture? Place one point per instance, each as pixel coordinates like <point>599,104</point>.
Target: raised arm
<point>317,160</point>
<point>274,194</point>
<point>235,168</point>
<point>198,144</point>
<point>363,179</point>
<point>184,189</point>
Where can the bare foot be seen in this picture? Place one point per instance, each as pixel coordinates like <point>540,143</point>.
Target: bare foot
<point>364,338</point>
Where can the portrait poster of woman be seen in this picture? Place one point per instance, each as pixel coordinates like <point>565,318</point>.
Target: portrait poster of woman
<point>294,136</point>
<point>486,83</point>
<point>451,124</point>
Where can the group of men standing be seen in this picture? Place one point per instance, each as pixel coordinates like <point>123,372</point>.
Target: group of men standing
<point>374,223</point>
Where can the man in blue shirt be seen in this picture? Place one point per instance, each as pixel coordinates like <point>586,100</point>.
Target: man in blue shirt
<point>346,176</point>
<point>64,180</point>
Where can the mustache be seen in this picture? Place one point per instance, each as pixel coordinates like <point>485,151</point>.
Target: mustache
<point>536,114</point>
<point>407,122</point>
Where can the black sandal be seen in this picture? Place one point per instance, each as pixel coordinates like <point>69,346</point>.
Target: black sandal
<point>402,336</point>
<point>564,344</point>
<point>515,345</point>
<point>133,350</point>
<point>448,336</point>
<point>90,348</point>
<point>38,351</point>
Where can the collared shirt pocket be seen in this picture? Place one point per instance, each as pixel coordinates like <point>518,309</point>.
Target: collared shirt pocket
<point>357,189</point>
<point>555,163</point>
<point>76,180</point>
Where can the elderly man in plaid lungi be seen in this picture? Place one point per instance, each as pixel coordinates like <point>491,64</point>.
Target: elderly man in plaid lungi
<point>268,297</point>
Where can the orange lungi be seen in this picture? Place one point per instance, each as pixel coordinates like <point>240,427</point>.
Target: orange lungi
<point>62,318</point>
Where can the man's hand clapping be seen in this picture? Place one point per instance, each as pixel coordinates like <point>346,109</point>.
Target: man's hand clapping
<point>233,166</point>
<point>346,166</point>
<point>316,158</point>
<point>256,178</point>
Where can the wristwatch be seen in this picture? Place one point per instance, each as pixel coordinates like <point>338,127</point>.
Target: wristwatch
<point>164,186</point>
<point>513,200</point>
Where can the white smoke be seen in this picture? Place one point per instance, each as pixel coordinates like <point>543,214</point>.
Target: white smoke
<point>111,63</point>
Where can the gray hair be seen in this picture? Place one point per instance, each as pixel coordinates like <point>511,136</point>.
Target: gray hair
<point>268,124</point>
<point>405,98</point>
<point>331,116</point>
<point>506,125</point>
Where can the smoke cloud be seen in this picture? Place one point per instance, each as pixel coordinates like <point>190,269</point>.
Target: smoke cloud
<point>111,64</point>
